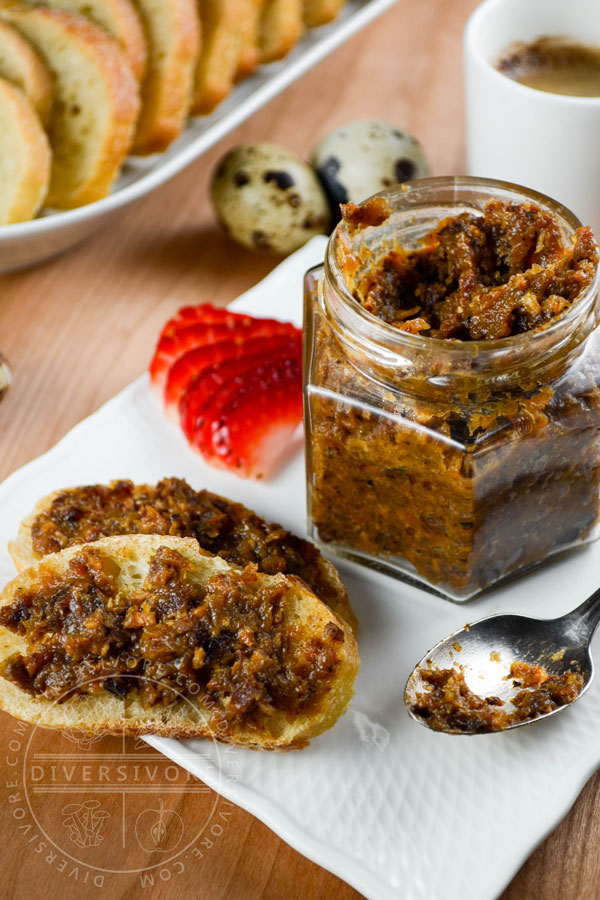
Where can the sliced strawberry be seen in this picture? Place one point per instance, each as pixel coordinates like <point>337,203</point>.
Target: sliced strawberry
<point>173,345</point>
<point>196,361</point>
<point>175,342</point>
<point>207,392</point>
<point>255,426</point>
<point>206,313</point>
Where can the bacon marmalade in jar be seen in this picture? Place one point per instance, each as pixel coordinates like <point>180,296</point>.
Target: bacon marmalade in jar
<point>452,384</point>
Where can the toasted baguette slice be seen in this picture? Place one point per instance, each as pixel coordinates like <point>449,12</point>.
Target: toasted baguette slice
<point>120,19</point>
<point>96,101</point>
<point>281,28</point>
<point>222,22</point>
<point>24,157</point>
<point>223,527</point>
<point>230,687</point>
<point>249,57</point>
<point>20,64</point>
<point>319,12</point>
<point>173,34</point>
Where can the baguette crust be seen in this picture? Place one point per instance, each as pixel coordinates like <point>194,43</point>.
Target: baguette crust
<point>174,38</point>
<point>93,118</point>
<point>120,19</point>
<point>23,555</point>
<point>222,23</point>
<point>102,712</point>
<point>24,157</point>
<point>249,51</point>
<point>320,12</point>
<point>20,64</point>
<point>281,28</point>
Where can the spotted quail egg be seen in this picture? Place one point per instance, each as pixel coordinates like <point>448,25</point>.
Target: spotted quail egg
<point>269,200</point>
<point>362,158</point>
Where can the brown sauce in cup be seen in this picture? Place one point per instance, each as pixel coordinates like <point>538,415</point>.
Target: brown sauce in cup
<point>556,65</point>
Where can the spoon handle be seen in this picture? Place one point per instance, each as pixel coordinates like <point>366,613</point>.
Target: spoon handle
<point>584,619</point>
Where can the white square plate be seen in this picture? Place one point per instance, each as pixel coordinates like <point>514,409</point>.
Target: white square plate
<point>392,808</point>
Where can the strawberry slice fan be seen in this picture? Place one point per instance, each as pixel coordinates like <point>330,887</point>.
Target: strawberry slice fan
<point>234,384</point>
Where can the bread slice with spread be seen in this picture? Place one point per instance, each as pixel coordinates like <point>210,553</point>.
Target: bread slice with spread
<point>173,34</point>
<point>149,634</point>
<point>21,65</point>
<point>96,101</point>
<point>221,527</point>
<point>24,157</point>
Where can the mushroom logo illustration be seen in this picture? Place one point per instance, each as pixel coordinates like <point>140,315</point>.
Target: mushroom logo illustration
<point>84,822</point>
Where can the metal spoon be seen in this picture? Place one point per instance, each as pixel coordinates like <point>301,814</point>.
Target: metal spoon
<point>485,650</point>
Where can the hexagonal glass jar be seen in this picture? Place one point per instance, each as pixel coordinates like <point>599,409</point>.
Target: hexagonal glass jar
<point>453,464</point>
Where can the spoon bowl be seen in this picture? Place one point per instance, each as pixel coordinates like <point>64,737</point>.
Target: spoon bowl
<point>485,651</point>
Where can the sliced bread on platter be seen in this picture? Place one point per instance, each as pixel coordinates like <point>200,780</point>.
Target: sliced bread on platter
<point>24,157</point>
<point>280,29</point>
<point>222,22</point>
<point>22,65</point>
<point>96,101</point>
<point>120,19</point>
<point>173,34</point>
<point>149,634</point>
<point>249,57</point>
<point>319,12</point>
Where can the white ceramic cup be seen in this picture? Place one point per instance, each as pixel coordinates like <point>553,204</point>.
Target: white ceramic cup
<point>548,142</point>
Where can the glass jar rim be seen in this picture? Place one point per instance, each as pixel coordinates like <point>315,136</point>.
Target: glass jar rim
<point>386,335</point>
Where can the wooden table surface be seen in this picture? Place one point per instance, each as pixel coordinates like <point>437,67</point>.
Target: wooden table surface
<point>76,331</point>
